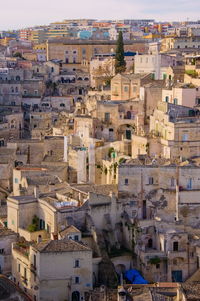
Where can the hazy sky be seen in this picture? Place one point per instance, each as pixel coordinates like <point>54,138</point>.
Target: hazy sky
<point>23,13</point>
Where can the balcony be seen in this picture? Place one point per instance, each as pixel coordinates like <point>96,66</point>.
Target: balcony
<point>175,254</point>
<point>22,248</point>
<point>32,236</point>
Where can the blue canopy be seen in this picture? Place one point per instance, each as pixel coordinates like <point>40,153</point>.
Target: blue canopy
<point>135,277</point>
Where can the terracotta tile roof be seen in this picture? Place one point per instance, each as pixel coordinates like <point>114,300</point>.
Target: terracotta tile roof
<point>6,231</point>
<point>60,246</point>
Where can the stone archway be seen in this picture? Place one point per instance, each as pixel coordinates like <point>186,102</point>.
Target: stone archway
<point>125,131</point>
<point>76,296</point>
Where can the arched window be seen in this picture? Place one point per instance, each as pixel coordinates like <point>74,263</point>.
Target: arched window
<point>17,78</point>
<point>128,115</point>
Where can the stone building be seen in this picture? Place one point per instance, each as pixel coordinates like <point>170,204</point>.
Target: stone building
<point>177,129</point>
<point>53,270</point>
<point>78,53</point>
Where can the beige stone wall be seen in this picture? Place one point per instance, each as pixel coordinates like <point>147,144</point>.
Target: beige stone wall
<point>139,146</point>
<point>56,271</point>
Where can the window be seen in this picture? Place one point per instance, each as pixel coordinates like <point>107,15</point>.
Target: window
<point>19,268</point>
<point>175,101</point>
<point>42,224</point>
<point>77,263</point>
<point>157,265</point>
<point>74,60</point>
<point>126,88</point>
<point>172,182</point>
<point>175,246</point>
<point>34,260</point>
<point>16,181</point>
<point>76,237</point>
<point>77,280</point>
<point>25,92</point>
<point>36,92</point>
<point>166,98</point>
<point>185,137</point>
<point>62,105</point>
<point>189,183</point>
<point>126,182</point>
<point>1,251</point>
<point>150,180</point>
<point>107,116</point>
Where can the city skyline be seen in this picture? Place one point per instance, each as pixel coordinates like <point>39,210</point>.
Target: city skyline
<point>22,14</point>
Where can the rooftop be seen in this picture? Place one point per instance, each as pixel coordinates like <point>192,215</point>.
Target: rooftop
<point>66,245</point>
<point>6,232</point>
<point>98,189</point>
<point>69,229</point>
<point>66,41</point>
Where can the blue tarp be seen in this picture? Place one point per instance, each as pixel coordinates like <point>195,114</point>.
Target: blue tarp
<point>134,277</point>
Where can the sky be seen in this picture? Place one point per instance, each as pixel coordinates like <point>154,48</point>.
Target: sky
<point>15,14</point>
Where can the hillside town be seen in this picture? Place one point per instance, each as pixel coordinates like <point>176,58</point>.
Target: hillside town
<point>100,161</point>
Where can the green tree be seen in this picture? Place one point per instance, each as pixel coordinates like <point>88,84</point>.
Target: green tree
<point>120,64</point>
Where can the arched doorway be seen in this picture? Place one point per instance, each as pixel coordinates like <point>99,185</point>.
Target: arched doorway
<point>76,296</point>
<point>125,131</point>
<point>150,243</point>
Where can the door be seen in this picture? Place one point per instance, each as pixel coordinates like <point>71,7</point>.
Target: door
<point>111,135</point>
<point>144,210</point>
<point>177,276</point>
<point>128,134</point>
<point>76,296</point>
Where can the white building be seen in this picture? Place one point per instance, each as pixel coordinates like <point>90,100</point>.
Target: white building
<point>156,64</point>
<point>181,95</point>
